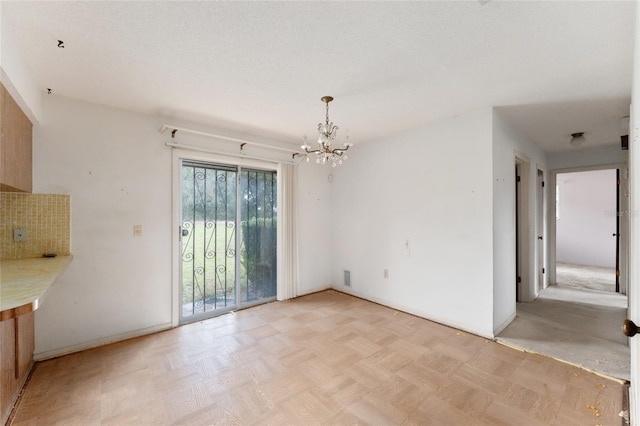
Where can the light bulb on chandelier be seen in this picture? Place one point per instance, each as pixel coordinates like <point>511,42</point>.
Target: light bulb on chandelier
<point>327,134</point>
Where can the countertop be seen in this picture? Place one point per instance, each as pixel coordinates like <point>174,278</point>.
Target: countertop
<point>24,282</point>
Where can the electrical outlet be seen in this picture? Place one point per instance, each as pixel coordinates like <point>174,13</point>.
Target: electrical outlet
<point>20,234</point>
<point>137,230</point>
<point>386,273</point>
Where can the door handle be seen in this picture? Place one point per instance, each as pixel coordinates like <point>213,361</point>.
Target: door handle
<point>615,235</point>
<point>629,328</point>
<point>540,237</point>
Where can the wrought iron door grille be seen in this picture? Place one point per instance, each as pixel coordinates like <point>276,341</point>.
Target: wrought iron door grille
<point>214,199</point>
<point>208,249</point>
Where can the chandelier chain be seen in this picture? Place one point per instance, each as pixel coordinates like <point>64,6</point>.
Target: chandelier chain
<point>327,116</point>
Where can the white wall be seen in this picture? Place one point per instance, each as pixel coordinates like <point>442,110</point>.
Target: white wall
<point>14,75</point>
<point>420,205</point>
<point>508,143</point>
<point>118,175</point>
<point>314,217</point>
<point>587,218</point>
<point>587,157</point>
<point>118,171</point>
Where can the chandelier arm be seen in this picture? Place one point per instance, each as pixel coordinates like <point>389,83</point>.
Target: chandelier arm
<point>341,150</point>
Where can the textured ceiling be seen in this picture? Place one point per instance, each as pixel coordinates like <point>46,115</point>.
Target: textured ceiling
<point>261,67</point>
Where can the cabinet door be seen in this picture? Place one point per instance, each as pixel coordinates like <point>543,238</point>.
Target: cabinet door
<point>8,365</point>
<point>26,344</point>
<point>16,132</point>
<point>15,356</point>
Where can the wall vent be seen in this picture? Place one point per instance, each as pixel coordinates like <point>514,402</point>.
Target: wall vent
<point>347,278</point>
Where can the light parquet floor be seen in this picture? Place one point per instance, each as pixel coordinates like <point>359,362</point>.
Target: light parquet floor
<point>325,358</point>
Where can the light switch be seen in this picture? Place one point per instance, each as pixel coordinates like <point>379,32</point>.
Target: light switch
<point>20,234</point>
<point>137,230</point>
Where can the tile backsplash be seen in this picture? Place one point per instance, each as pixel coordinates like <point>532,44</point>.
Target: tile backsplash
<point>46,219</point>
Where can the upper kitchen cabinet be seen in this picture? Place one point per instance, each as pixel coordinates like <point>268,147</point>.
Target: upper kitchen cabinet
<point>16,133</point>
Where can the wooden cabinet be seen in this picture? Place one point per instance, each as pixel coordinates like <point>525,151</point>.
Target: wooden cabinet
<point>16,359</point>
<point>22,288</point>
<point>16,133</point>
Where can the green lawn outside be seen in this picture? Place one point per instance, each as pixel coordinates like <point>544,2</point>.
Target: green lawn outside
<point>213,268</point>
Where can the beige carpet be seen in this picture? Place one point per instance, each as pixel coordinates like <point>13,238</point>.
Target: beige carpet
<point>582,327</point>
<point>587,277</point>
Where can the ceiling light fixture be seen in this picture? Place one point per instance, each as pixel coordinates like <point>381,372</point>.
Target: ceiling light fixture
<point>327,134</point>
<point>577,139</point>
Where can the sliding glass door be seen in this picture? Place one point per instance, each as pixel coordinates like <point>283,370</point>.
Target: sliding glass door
<point>258,230</point>
<point>223,266</point>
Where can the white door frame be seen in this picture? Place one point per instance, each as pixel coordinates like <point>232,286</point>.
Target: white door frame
<point>633,290</point>
<point>529,261</point>
<point>624,219</point>
<point>178,155</point>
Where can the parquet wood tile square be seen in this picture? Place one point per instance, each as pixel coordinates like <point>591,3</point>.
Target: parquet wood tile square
<point>483,377</point>
<point>371,409</point>
<point>343,390</point>
<point>426,379</point>
<point>434,411</point>
<point>322,359</point>
<point>309,407</point>
<point>400,393</point>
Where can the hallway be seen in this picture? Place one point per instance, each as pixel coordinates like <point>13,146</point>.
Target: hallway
<point>579,326</point>
<point>586,277</point>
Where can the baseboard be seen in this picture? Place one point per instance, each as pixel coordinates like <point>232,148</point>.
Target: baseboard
<point>314,290</point>
<point>504,324</point>
<point>415,312</point>
<point>54,353</point>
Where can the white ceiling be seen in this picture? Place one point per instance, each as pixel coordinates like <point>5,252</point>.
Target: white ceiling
<point>261,67</point>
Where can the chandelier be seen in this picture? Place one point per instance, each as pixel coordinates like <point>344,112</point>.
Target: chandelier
<point>326,135</point>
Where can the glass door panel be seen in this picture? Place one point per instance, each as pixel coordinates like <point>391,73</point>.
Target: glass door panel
<point>259,231</point>
<point>209,210</point>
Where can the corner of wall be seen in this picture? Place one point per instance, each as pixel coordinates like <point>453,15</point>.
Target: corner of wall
<point>25,94</point>
<point>508,142</point>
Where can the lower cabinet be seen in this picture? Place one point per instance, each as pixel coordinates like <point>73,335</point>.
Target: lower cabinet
<point>16,359</point>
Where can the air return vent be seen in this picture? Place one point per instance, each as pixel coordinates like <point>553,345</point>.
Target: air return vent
<point>347,278</point>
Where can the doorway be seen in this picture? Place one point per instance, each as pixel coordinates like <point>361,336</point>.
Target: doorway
<point>228,229</point>
<point>588,230</point>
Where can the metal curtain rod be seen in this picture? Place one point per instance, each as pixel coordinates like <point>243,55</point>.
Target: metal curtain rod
<point>243,142</point>
<point>228,154</point>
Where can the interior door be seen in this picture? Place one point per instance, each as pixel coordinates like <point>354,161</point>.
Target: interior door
<point>617,233</point>
<point>540,230</point>
<point>633,291</point>
<point>518,278</point>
